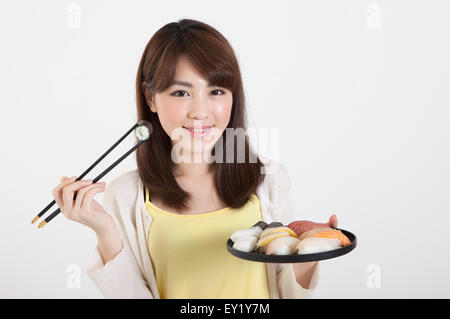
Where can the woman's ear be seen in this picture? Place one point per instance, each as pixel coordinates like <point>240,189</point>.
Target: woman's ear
<point>149,97</point>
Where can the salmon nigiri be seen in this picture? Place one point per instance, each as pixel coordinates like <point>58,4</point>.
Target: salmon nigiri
<point>332,233</point>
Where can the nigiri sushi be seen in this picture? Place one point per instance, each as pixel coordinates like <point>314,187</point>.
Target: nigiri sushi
<point>272,230</point>
<point>284,245</point>
<point>312,245</point>
<point>313,231</point>
<point>332,233</point>
<point>245,243</point>
<point>253,231</point>
<point>301,226</point>
<point>264,241</point>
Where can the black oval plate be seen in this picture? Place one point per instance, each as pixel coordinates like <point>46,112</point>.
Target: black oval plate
<point>295,258</point>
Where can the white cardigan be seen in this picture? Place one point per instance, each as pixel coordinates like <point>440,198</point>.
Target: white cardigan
<point>130,273</point>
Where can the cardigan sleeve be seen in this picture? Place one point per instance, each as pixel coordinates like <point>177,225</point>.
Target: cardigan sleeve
<point>121,277</point>
<point>286,208</point>
<point>289,287</point>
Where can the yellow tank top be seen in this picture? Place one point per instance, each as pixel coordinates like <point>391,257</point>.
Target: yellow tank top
<point>190,257</point>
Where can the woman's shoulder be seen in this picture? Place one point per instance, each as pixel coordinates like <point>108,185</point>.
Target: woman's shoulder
<point>125,180</point>
<point>123,186</point>
<point>126,186</point>
<point>276,185</point>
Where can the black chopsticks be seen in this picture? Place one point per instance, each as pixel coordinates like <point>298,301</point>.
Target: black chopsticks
<point>142,130</point>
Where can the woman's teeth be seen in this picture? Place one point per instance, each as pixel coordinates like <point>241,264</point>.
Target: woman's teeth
<point>197,130</point>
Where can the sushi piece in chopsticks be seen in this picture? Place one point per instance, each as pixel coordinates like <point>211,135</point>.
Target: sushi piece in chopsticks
<point>284,245</point>
<point>143,131</point>
<point>312,245</point>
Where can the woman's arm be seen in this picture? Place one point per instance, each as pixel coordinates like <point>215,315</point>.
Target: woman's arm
<point>109,243</point>
<point>114,266</point>
<point>303,273</point>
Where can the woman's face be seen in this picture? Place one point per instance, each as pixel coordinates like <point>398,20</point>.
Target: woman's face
<point>190,102</point>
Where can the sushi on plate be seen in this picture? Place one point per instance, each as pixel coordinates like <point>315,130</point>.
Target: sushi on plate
<point>321,239</point>
<point>312,245</point>
<point>245,243</point>
<point>285,245</point>
<point>253,231</point>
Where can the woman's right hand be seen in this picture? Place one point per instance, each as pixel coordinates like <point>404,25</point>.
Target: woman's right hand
<point>84,209</point>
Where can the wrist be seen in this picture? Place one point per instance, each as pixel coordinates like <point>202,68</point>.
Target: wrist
<point>109,243</point>
<point>105,229</point>
<point>303,273</point>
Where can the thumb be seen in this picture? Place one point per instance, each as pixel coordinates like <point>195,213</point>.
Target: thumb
<point>333,222</point>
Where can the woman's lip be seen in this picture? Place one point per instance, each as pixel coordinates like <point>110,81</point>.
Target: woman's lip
<point>198,134</point>
<point>203,127</point>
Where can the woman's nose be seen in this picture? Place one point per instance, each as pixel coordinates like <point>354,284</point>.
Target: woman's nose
<point>199,108</point>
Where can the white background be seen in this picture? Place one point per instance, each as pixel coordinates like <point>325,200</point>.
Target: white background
<point>359,91</point>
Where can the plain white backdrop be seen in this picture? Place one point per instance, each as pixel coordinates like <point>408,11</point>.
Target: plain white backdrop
<point>359,91</point>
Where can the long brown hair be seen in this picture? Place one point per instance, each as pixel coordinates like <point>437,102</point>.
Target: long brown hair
<point>212,55</point>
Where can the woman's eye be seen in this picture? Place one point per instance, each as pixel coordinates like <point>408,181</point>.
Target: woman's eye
<point>175,93</point>
<point>181,91</point>
<point>218,90</point>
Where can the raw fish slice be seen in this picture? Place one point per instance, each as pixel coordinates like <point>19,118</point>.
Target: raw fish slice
<point>301,226</point>
<point>282,246</point>
<point>246,244</point>
<point>272,230</point>
<point>313,231</point>
<point>264,241</point>
<point>312,245</point>
<point>334,233</point>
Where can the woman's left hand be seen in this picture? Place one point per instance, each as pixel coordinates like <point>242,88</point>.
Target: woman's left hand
<point>301,226</point>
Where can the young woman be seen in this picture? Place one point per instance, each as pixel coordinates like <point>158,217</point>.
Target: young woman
<point>162,229</point>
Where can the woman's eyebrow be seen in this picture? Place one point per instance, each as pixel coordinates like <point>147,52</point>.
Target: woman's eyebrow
<point>188,84</point>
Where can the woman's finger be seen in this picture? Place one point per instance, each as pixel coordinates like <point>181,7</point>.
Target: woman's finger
<point>333,222</point>
<point>81,193</point>
<point>87,198</point>
<point>64,183</point>
<point>57,191</point>
<point>69,191</point>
